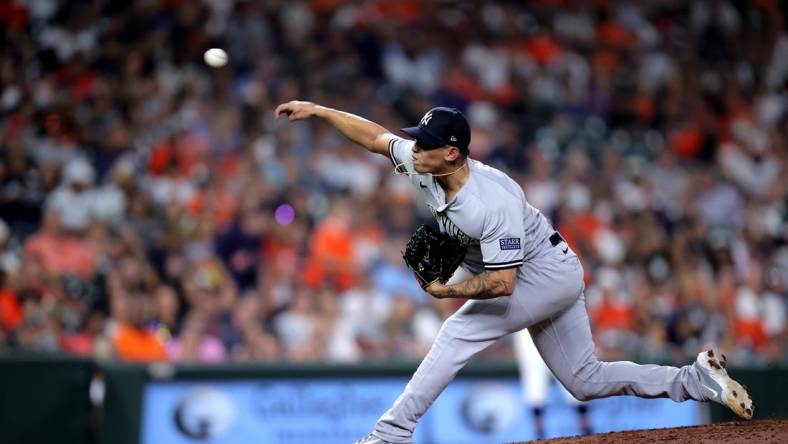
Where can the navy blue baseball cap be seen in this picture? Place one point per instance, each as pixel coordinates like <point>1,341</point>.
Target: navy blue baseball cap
<point>442,126</point>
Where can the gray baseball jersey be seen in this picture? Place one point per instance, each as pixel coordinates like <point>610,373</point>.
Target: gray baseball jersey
<point>502,230</point>
<point>490,214</point>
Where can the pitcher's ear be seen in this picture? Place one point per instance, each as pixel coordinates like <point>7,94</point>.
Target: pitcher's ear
<point>453,154</point>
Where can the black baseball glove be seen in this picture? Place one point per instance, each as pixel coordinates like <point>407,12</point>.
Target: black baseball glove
<point>433,255</point>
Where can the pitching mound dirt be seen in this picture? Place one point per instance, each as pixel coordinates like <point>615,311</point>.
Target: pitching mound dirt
<point>759,431</point>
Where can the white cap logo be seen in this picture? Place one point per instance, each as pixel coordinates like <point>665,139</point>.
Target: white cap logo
<point>452,139</point>
<point>426,119</point>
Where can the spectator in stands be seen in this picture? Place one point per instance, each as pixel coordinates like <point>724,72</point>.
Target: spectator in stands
<point>59,251</point>
<point>134,338</point>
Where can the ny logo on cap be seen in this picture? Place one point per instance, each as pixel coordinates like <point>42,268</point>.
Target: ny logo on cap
<point>426,119</point>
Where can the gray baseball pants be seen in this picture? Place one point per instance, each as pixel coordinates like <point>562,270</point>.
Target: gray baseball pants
<point>549,301</point>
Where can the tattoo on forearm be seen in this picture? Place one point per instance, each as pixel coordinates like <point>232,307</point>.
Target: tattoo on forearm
<point>482,286</point>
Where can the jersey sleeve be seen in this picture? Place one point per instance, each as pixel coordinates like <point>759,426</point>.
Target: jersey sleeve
<point>502,237</point>
<point>399,152</point>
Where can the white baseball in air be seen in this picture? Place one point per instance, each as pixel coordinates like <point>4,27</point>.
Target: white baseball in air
<point>215,57</point>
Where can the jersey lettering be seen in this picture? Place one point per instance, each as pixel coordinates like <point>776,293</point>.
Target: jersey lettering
<point>453,230</point>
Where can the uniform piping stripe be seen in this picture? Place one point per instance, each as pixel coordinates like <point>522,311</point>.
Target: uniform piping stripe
<point>504,264</point>
<point>391,152</point>
<point>503,267</point>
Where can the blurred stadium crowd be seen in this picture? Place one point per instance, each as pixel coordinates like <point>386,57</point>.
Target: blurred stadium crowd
<point>153,209</point>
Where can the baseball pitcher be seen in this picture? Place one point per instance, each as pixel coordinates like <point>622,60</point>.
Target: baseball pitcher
<point>523,275</point>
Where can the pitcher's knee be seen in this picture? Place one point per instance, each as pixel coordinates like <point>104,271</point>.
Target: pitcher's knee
<point>580,393</point>
<point>582,386</point>
<point>576,387</point>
